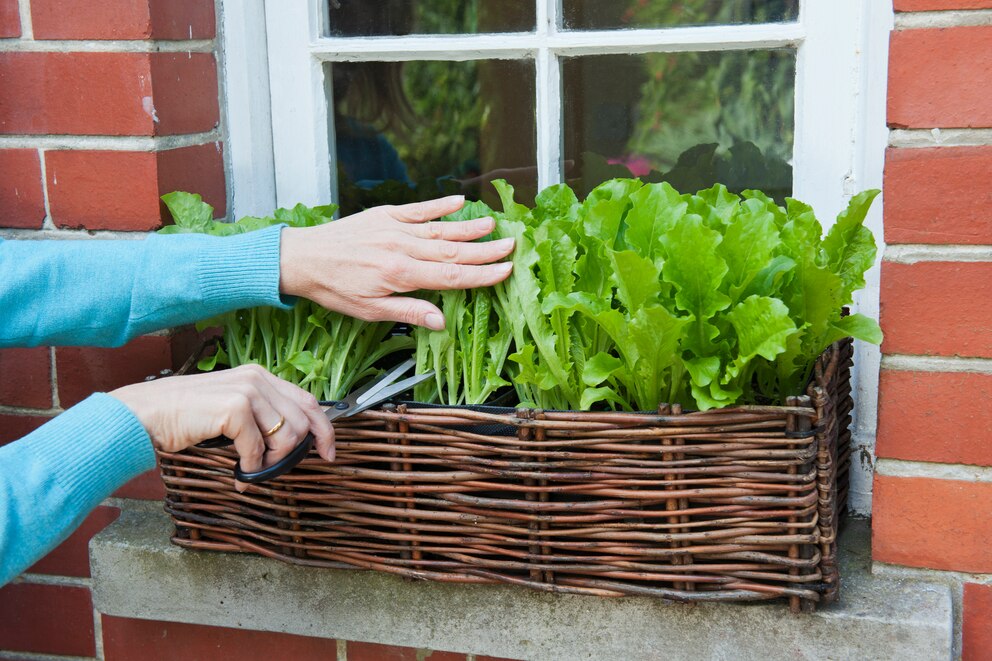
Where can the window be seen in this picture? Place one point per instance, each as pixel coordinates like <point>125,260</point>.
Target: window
<point>362,102</point>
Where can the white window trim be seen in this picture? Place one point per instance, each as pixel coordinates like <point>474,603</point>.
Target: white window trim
<point>280,148</point>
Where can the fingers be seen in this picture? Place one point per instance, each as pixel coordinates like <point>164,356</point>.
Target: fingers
<point>460,253</point>
<point>321,427</point>
<point>439,275</point>
<point>268,417</point>
<point>407,310</point>
<point>421,212</point>
<point>461,230</point>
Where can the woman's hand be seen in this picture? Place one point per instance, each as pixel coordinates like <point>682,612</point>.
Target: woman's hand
<point>243,404</point>
<point>356,264</point>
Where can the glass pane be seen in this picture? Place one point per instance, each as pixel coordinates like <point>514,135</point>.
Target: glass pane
<point>408,131</point>
<point>607,14</point>
<point>692,119</point>
<point>364,18</point>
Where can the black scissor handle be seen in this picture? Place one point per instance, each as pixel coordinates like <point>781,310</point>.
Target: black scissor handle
<point>281,467</point>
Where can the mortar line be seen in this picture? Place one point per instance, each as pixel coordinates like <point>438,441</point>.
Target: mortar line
<point>24,411</point>
<point>109,142</point>
<point>946,576</point>
<point>98,634</point>
<point>942,19</point>
<point>54,579</point>
<point>938,137</point>
<point>960,472</point>
<point>69,234</point>
<point>912,253</point>
<point>56,404</point>
<point>24,13</point>
<point>108,46</point>
<point>13,655</point>
<point>904,363</point>
<point>47,223</point>
<point>342,649</point>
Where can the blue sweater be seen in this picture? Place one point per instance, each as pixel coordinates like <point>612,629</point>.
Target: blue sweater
<point>104,293</point>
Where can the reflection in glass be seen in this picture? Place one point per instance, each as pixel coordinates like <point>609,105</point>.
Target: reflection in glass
<point>408,131</point>
<point>692,119</point>
<point>611,14</point>
<point>364,18</point>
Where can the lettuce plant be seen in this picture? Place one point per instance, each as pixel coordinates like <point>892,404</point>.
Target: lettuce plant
<point>324,352</point>
<point>639,295</point>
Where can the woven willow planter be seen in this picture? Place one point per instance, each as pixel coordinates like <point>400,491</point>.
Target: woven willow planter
<point>736,504</point>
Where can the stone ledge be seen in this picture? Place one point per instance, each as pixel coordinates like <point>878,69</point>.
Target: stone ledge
<point>138,573</point>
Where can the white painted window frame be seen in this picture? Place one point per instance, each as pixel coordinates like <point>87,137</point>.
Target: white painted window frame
<point>281,151</point>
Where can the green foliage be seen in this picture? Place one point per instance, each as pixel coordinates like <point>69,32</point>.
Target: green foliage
<point>324,352</point>
<point>640,295</point>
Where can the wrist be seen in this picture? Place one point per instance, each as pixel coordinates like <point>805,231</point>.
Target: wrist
<point>291,275</point>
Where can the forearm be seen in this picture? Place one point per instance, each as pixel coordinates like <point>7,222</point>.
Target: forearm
<point>53,477</point>
<point>104,293</point>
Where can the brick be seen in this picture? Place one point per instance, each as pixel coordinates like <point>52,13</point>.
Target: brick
<point>147,486</point>
<point>85,370</point>
<point>46,619</point>
<point>931,523</point>
<point>13,427</point>
<point>72,557</point>
<point>22,200</point>
<point>183,19</point>
<point>198,169</point>
<point>165,641</point>
<point>976,634</point>
<point>76,93</point>
<point>186,96</point>
<point>107,93</point>
<point>935,416</point>
<point>103,190</point>
<point>940,78</point>
<point>938,195</point>
<point>941,5</point>
<point>85,187</point>
<point>26,377</point>
<point>937,308</point>
<point>123,19</point>
<point>358,651</point>
<point>10,19</point>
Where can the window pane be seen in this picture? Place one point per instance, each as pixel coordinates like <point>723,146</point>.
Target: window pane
<point>692,119</point>
<point>407,131</point>
<point>357,18</point>
<point>606,14</point>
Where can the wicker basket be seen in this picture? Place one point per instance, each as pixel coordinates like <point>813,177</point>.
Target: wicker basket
<point>733,504</point>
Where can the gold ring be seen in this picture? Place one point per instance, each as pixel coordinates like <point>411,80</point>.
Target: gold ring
<point>277,427</point>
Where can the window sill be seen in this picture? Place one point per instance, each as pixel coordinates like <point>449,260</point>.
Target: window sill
<point>138,573</point>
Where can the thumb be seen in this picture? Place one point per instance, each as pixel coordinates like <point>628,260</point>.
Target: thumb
<point>411,311</point>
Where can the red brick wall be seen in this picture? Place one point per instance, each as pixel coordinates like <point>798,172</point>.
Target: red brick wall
<point>933,486</point>
<point>92,132</point>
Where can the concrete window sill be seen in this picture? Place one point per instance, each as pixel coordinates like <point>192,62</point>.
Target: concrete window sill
<point>138,573</point>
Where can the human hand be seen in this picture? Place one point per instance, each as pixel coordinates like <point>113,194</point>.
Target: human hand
<point>356,264</point>
<point>241,403</point>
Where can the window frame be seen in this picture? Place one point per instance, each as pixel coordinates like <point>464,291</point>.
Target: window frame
<point>280,146</point>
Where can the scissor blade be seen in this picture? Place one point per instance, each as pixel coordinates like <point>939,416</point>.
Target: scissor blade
<point>389,392</point>
<point>384,381</point>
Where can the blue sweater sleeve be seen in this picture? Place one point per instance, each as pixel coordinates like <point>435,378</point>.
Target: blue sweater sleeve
<point>53,477</point>
<point>103,293</point>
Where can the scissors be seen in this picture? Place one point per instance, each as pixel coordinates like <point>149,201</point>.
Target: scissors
<point>372,393</point>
